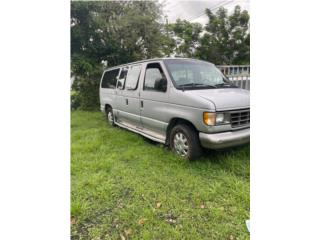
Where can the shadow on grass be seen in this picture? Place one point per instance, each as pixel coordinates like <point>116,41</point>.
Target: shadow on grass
<point>233,160</point>
<point>149,141</point>
<point>218,154</point>
<point>207,154</point>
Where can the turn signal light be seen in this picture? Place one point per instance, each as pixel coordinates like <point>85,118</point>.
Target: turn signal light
<point>209,118</point>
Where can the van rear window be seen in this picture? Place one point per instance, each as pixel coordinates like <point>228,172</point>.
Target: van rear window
<point>109,79</point>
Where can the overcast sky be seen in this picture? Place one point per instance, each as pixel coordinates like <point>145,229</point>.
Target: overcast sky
<point>194,10</point>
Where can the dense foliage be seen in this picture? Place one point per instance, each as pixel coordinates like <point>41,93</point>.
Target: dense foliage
<point>227,38</point>
<point>118,32</point>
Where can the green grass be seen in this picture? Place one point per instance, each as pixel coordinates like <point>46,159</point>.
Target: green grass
<point>118,177</point>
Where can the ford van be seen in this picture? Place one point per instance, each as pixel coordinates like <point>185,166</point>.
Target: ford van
<point>187,104</point>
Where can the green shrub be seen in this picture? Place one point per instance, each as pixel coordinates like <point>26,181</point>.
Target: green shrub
<point>86,95</point>
<point>85,91</point>
<point>75,103</point>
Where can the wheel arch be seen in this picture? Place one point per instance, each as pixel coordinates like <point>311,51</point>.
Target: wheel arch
<point>106,106</point>
<point>175,121</point>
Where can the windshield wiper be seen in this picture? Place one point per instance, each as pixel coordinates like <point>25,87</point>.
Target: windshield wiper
<point>196,85</point>
<point>225,85</point>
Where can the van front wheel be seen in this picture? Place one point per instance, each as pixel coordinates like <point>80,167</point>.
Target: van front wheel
<point>184,141</point>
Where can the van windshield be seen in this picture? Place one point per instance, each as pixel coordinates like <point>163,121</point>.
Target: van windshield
<point>192,74</point>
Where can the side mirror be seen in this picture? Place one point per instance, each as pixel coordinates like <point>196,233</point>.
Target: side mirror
<point>161,85</point>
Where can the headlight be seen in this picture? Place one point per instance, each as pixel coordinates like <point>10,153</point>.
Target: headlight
<point>212,119</point>
<point>219,118</point>
<point>222,118</point>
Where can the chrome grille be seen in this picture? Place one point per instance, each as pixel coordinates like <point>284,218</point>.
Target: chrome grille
<point>240,118</point>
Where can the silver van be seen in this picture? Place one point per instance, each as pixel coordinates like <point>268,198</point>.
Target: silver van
<point>187,104</point>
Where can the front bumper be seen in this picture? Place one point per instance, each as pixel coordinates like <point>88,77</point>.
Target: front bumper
<point>224,139</point>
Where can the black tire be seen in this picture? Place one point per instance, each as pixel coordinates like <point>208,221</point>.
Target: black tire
<point>183,135</point>
<point>108,113</point>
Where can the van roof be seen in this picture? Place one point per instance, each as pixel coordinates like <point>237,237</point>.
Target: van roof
<point>150,60</point>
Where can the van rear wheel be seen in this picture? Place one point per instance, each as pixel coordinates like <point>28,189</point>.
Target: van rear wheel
<point>109,116</point>
<point>184,141</point>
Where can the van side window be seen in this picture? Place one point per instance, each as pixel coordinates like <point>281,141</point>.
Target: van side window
<point>122,78</point>
<point>109,79</point>
<point>155,79</point>
<point>133,77</point>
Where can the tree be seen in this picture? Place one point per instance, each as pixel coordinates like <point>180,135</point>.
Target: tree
<point>227,38</point>
<point>187,37</point>
<point>118,32</point>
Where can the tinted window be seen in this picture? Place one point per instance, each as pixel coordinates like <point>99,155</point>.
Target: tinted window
<point>109,79</point>
<point>122,78</point>
<point>154,79</point>
<point>133,77</point>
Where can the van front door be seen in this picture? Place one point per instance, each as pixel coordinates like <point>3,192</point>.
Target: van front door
<point>128,105</point>
<point>154,100</point>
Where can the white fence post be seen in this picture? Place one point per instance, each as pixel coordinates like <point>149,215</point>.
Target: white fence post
<point>238,74</point>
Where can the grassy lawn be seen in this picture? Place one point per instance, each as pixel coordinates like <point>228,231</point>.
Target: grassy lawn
<point>124,186</point>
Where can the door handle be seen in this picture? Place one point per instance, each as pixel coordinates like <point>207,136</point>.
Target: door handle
<point>127,102</point>
<point>141,104</point>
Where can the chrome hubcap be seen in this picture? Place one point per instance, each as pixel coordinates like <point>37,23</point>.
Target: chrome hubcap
<point>110,117</point>
<point>180,144</point>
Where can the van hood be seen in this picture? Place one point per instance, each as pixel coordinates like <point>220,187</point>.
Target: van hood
<point>225,98</point>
